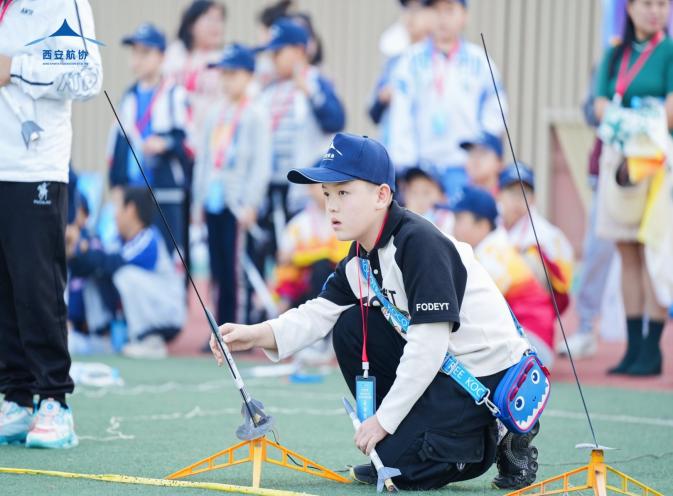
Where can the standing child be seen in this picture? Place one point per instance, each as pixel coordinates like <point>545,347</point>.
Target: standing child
<point>442,95</point>
<point>232,172</point>
<point>154,114</point>
<point>304,111</point>
<point>404,297</point>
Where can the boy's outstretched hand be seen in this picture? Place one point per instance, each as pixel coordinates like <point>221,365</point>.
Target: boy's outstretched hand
<point>240,337</point>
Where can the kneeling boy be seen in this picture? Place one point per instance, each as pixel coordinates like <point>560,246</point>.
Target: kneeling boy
<point>425,296</point>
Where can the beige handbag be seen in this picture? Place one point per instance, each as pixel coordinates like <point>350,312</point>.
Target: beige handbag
<point>621,208</point>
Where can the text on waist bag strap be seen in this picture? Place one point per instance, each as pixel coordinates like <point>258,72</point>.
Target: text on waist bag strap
<point>473,386</point>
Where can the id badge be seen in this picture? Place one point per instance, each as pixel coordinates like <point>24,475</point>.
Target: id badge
<point>365,396</point>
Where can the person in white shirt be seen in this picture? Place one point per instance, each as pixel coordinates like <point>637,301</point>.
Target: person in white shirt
<point>48,57</point>
<point>443,95</point>
<point>418,296</point>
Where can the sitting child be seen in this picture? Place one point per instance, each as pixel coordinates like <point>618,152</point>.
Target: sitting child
<point>139,278</point>
<point>484,161</point>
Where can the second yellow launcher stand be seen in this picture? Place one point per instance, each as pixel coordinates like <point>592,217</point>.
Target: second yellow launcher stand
<point>600,478</point>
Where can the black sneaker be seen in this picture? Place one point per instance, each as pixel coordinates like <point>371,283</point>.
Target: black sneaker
<point>364,474</point>
<point>516,459</point>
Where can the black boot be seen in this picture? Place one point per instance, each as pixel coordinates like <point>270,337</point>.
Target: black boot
<point>634,330</point>
<point>364,474</point>
<point>649,359</point>
<point>516,459</point>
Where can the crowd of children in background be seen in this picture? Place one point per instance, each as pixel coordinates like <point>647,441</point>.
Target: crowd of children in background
<point>217,126</point>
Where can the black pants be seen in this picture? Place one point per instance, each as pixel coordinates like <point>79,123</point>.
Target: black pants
<point>34,355</point>
<point>222,248</point>
<point>445,437</point>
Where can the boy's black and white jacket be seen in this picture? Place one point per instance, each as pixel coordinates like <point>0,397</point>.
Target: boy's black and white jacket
<point>453,305</point>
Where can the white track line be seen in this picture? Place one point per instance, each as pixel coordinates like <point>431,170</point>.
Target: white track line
<point>114,432</point>
<point>622,419</point>
<point>205,387</point>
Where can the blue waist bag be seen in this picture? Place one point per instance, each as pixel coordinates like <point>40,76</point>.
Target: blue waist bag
<point>520,397</point>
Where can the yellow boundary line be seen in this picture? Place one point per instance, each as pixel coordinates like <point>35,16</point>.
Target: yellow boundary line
<point>127,479</point>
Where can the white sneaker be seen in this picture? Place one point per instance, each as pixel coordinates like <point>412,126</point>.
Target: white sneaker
<point>152,347</point>
<point>15,422</point>
<point>54,427</point>
<point>581,344</point>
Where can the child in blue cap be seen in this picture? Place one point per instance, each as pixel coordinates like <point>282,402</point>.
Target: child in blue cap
<point>403,298</point>
<point>154,113</point>
<point>556,249</point>
<point>232,172</point>
<point>304,111</point>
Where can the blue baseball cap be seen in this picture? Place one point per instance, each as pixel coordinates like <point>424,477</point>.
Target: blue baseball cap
<point>485,140</point>
<point>349,157</point>
<point>286,32</point>
<point>477,201</point>
<point>235,56</point>
<point>510,176</point>
<point>147,34</point>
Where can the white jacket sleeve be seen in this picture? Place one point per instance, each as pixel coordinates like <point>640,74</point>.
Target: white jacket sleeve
<point>403,139</point>
<point>302,326</point>
<point>421,360</point>
<point>79,77</point>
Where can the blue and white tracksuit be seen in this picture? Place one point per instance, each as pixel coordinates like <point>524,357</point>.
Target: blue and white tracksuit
<point>438,102</point>
<point>150,290</point>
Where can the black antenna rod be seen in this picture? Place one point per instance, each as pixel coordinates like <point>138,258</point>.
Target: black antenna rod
<point>539,247</point>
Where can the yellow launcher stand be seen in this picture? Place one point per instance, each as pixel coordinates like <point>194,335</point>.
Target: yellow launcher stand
<point>599,478</point>
<point>257,452</point>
